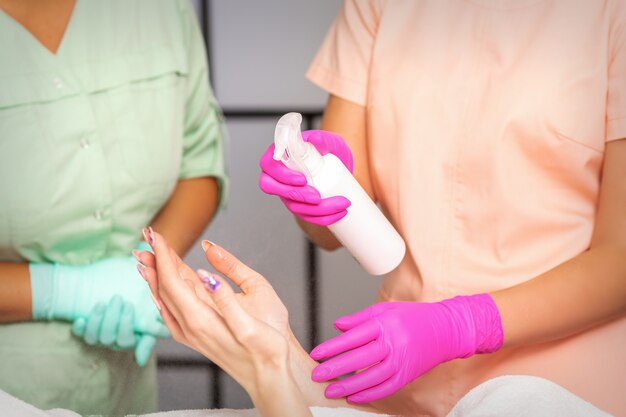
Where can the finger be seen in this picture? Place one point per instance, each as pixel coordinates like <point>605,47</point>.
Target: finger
<point>94,321</point>
<point>79,326</point>
<point>145,258</point>
<point>173,326</point>
<point>326,207</point>
<point>369,378</point>
<point>177,296</point>
<point>223,295</point>
<point>110,321</point>
<point>149,274</point>
<point>325,220</point>
<point>351,361</point>
<point>226,263</point>
<point>303,193</point>
<point>204,296</point>
<point>319,139</point>
<point>164,279</point>
<point>348,322</point>
<point>144,349</point>
<point>279,171</point>
<point>126,335</point>
<point>377,392</point>
<point>352,339</point>
<point>159,329</point>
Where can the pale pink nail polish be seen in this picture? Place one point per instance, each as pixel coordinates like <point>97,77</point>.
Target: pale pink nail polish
<point>141,269</point>
<point>206,244</point>
<point>136,254</point>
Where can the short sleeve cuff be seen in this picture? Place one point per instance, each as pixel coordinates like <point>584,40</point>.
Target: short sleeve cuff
<point>616,129</point>
<point>337,85</point>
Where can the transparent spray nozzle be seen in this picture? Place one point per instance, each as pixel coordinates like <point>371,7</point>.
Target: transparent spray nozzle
<point>292,150</point>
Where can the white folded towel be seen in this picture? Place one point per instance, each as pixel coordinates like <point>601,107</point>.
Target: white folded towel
<point>506,396</point>
<point>316,411</point>
<point>523,396</point>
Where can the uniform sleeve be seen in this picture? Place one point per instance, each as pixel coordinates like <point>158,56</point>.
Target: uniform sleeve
<point>205,138</point>
<point>342,64</point>
<point>616,98</point>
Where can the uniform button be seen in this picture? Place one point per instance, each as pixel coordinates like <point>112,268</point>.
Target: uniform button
<point>58,83</point>
<point>98,214</point>
<point>84,143</point>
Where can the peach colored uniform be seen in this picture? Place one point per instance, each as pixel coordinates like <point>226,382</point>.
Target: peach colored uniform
<point>487,123</point>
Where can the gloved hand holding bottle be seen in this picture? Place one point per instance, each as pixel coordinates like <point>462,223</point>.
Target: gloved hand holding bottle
<point>312,173</point>
<point>396,342</point>
<point>303,200</point>
<point>65,292</point>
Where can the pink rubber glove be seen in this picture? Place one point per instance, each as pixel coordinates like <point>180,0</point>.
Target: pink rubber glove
<point>301,199</point>
<point>399,341</point>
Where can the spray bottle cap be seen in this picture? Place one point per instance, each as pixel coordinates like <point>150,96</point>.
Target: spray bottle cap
<point>292,150</point>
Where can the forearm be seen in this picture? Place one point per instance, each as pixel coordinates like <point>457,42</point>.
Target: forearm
<point>583,292</point>
<point>321,236</point>
<point>188,212</point>
<point>15,292</point>
<point>274,382</point>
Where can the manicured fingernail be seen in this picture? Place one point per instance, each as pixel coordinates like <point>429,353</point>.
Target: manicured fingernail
<point>206,244</point>
<point>151,235</point>
<point>209,280</point>
<point>157,303</point>
<point>136,254</point>
<point>320,374</point>
<point>141,270</point>
<point>147,235</point>
<point>334,391</point>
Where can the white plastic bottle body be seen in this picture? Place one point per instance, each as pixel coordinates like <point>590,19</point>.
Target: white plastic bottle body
<point>364,231</point>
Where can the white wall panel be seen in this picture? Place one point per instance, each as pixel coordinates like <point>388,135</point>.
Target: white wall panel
<point>261,50</point>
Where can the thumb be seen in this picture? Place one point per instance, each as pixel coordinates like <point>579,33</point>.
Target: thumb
<point>144,349</point>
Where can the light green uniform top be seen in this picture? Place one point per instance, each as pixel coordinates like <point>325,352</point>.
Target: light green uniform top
<point>92,143</point>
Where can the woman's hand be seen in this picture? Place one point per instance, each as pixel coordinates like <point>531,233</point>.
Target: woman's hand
<point>244,333</point>
<point>257,296</point>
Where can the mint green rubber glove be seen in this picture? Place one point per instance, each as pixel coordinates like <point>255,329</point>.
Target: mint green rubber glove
<point>62,292</point>
<point>111,326</point>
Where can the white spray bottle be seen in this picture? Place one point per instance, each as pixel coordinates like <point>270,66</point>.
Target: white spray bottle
<point>364,231</point>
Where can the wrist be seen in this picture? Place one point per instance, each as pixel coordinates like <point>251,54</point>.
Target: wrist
<point>265,377</point>
<point>54,289</point>
<point>42,289</point>
<point>478,320</point>
<point>490,334</point>
<point>274,381</point>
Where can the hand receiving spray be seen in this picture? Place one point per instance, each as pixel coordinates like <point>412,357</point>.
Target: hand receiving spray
<point>364,231</point>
